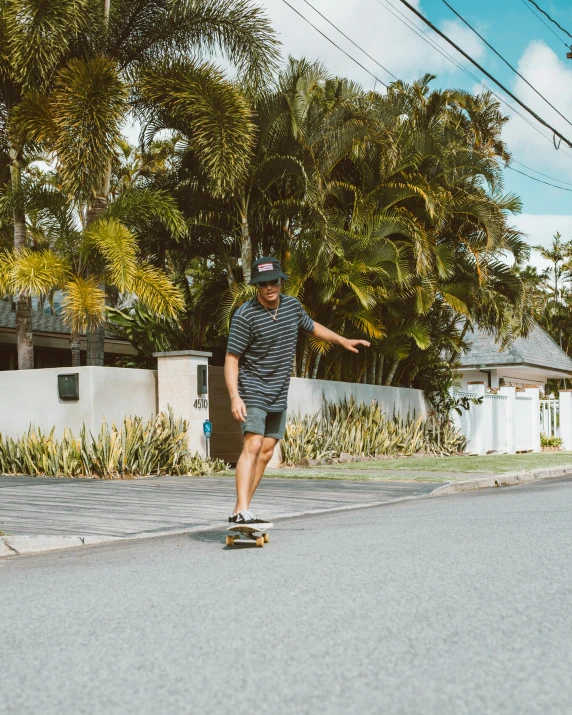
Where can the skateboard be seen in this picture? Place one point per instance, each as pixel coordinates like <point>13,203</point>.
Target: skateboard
<point>246,535</point>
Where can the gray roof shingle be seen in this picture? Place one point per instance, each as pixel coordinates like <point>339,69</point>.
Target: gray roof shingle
<point>537,349</point>
<point>41,322</point>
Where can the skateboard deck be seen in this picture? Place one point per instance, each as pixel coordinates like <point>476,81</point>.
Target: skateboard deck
<point>247,535</point>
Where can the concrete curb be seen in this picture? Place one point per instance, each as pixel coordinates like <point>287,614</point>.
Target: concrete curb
<point>509,479</point>
<point>20,545</point>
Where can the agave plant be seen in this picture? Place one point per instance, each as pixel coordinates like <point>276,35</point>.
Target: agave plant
<point>135,448</point>
<point>365,430</point>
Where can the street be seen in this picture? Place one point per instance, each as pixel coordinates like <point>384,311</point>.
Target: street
<point>448,605</point>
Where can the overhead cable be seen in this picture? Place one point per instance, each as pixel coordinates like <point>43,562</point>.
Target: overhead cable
<point>552,20</point>
<point>353,59</point>
<point>562,188</point>
<point>484,71</point>
<point>527,6</point>
<point>498,54</point>
<point>539,172</point>
<point>350,40</point>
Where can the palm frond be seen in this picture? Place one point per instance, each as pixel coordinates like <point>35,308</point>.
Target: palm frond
<point>83,304</point>
<point>156,291</point>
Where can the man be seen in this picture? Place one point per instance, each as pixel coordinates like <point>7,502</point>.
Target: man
<point>258,365</point>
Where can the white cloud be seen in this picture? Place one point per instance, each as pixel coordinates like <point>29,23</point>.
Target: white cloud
<point>552,77</point>
<point>540,229</point>
<point>372,26</point>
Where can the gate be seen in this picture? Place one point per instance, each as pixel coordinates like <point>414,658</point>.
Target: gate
<point>226,440</point>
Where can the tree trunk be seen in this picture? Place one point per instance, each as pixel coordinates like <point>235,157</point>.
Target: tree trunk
<point>246,248</point>
<point>24,336</point>
<point>316,366</point>
<point>96,338</point>
<point>305,356</point>
<point>380,361</point>
<point>372,371</point>
<point>391,372</point>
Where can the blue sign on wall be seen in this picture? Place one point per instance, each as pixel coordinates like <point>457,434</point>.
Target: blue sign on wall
<point>207,428</point>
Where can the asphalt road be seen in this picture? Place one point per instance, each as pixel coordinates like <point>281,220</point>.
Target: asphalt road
<point>448,605</point>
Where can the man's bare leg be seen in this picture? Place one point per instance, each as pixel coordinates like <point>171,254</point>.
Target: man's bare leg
<point>246,469</point>
<point>264,456</point>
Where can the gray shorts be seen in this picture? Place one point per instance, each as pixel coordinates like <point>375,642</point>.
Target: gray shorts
<point>268,424</point>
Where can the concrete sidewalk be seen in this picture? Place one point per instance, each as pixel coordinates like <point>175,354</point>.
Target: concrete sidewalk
<point>139,507</point>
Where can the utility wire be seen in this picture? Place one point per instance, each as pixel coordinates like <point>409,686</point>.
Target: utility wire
<point>541,174</point>
<point>484,71</point>
<point>350,40</point>
<point>552,20</point>
<point>353,59</point>
<point>447,56</point>
<point>498,54</point>
<point>429,40</point>
<point>562,188</point>
<point>527,6</point>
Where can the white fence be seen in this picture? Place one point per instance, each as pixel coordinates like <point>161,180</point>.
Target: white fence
<point>550,418</point>
<point>502,422</point>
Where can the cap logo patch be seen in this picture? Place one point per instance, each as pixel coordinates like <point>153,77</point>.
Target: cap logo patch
<point>265,267</point>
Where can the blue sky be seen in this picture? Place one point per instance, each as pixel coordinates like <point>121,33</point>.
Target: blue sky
<point>510,27</point>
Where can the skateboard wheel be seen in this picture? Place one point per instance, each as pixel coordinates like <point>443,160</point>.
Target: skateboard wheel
<point>260,541</point>
<point>266,538</point>
<point>230,540</point>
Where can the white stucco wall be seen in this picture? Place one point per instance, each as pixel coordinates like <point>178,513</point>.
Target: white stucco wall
<point>307,396</point>
<point>31,396</point>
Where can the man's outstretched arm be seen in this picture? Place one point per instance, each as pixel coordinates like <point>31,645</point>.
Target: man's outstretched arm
<point>323,333</point>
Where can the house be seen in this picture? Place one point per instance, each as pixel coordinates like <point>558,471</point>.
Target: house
<point>51,341</point>
<point>525,362</point>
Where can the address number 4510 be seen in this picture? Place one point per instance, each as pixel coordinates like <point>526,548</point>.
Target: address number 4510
<point>200,404</point>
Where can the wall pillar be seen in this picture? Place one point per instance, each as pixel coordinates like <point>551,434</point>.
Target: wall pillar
<point>178,389</point>
<point>566,418</point>
<point>510,427</point>
<point>534,392</point>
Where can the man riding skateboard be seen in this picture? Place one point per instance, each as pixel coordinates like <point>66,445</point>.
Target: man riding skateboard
<point>257,370</point>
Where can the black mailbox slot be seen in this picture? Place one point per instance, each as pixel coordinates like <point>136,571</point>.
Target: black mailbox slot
<point>202,380</point>
<point>68,386</point>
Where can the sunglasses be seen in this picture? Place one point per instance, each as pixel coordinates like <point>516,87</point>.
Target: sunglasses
<point>263,284</point>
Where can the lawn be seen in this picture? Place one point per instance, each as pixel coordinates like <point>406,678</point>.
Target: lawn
<point>496,463</point>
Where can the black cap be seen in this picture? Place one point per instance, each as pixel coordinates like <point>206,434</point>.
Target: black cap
<point>266,269</point>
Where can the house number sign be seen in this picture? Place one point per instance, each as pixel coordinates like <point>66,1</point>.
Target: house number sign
<point>201,404</point>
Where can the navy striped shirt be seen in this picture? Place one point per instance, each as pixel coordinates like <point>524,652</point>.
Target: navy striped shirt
<point>266,349</point>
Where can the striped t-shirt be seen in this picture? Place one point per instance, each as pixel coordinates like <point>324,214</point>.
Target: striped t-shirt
<point>266,350</point>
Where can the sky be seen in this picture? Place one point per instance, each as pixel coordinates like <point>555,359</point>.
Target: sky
<point>510,27</point>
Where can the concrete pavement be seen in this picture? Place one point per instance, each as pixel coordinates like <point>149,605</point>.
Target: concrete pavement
<point>451,606</point>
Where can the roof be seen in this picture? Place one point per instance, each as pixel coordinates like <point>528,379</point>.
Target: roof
<point>41,322</point>
<point>537,349</point>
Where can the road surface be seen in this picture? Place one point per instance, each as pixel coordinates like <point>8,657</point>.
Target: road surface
<point>438,605</point>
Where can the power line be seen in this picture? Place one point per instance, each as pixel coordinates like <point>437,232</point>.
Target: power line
<point>350,39</point>
<point>541,174</point>
<point>484,71</point>
<point>498,54</point>
<point>544,23</point>
<point>550,18</point>
<point>334,44</point>
<point>425,37</point>
<point>562,188</point>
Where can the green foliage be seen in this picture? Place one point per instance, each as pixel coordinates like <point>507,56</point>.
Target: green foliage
<point>551,441</point>
<point>135,448</point>
<point>366,431</point>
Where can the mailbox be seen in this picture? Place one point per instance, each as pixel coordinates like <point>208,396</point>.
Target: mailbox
<point>68,386</point>
<point>202,380</point>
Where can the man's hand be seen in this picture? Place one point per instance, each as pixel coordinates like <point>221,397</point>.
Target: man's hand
<point>351,345</point>
<point>238,408</point>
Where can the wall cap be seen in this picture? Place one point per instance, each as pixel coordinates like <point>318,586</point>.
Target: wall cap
<point>182,353</point>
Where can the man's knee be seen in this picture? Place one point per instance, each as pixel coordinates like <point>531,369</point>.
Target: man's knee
<point>266,452</point>
<point>252,444</point>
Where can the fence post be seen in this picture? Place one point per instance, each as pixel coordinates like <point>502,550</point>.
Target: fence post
<point>534,392</point>
<point>566,418</point>
<point>477,440</point>
<point>510,394</point>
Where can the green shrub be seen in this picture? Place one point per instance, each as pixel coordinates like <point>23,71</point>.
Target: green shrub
<point>137,447</point>
<point>552,441</point>
<point>365,430</point>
